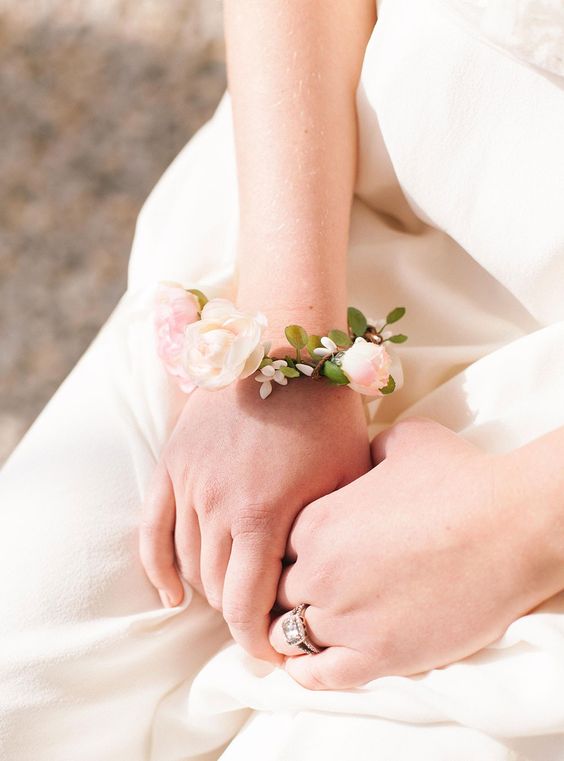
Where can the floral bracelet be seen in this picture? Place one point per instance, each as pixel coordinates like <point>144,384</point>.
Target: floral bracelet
<point>211,343</point>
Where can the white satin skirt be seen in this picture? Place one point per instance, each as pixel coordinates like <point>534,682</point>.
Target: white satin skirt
<point>457,215</point>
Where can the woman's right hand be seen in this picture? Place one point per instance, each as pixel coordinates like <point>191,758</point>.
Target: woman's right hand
<point>425,559</point>
<point>233,476</point>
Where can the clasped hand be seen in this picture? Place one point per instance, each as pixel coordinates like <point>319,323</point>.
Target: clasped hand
<point>408,565</point>
<point>232,478</point>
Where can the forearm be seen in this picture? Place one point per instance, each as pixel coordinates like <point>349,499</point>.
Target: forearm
<point>293,69</point>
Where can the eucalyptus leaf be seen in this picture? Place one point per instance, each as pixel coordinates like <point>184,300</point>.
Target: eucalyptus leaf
<point>296,335</point>
<point>397,339</point>
<point>334,373</point>
<point>389,387</point>
<point>202,298</point>
<point>339,337</point>
<point>290,372</point>
<point>357,321</point>
<point>395,315</point>
<point>313,342</point>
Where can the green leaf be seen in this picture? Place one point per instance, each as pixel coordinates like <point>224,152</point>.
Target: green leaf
<point>389,387</point>
<point>334,373</point>
<point>357,321</point>
<point>395,315</point>
<point>291,362</point>
<point>296,335</point>
<point>339,337</point>
<point>398,339</point>
<point>264,362</point>
<point>290,372</point>
<point>313,342</point>
<point>202,298</point>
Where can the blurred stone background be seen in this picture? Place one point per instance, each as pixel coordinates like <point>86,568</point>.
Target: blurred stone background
<point>96,99</point>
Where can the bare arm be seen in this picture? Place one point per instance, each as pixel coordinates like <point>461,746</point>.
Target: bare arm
<point>293,70</point>
<point>236,472</point>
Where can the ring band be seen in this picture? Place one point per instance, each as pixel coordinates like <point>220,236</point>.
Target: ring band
<point>295,630</point>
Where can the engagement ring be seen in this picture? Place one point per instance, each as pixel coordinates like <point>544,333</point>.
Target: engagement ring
<point>295,630</point>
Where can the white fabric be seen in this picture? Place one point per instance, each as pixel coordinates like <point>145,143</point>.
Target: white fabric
<point>532,30</point>
<point>458,216</point>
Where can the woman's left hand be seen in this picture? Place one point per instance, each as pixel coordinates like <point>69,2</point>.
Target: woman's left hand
<point>422,561</point>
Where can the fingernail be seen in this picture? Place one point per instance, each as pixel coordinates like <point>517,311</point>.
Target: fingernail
<point>165,599</point>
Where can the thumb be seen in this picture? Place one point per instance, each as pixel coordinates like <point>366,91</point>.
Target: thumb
<point>156,538</point>
<point>336,668</point>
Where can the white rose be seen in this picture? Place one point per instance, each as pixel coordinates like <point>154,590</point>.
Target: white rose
<point>226,344</point>
<point>367,366</point>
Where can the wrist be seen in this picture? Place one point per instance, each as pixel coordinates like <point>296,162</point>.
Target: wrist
<point>212,343</point>
<point>316,317</point>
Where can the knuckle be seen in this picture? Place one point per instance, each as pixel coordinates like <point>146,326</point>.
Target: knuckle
<point>209,500</point>
<point>252,522</point>
<point>214,490</point>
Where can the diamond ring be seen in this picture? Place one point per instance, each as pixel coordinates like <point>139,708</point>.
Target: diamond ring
<point>295,630</point>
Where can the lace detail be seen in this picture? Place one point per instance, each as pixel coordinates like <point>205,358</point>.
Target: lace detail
<point>532,30</point>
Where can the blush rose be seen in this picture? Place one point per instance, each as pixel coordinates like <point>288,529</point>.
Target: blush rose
<point>224,345</point>
<point>367,366</point>
<point>175,309</point>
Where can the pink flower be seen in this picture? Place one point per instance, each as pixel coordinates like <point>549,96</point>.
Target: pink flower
<point>367,366</point>
<point>175,309</point>
<point>224,345</point>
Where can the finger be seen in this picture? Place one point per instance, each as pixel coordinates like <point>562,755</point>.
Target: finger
<point>292,588</point>
<point>318,630</point>
<point>306,521</point>
<point>249,590</point>
<point>337,668</point>
<point>291,554</point>
<point>156,544</point>
<point>187,543</point>
<point>216,549</point>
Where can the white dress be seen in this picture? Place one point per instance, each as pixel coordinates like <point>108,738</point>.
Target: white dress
<point>459,215</point>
